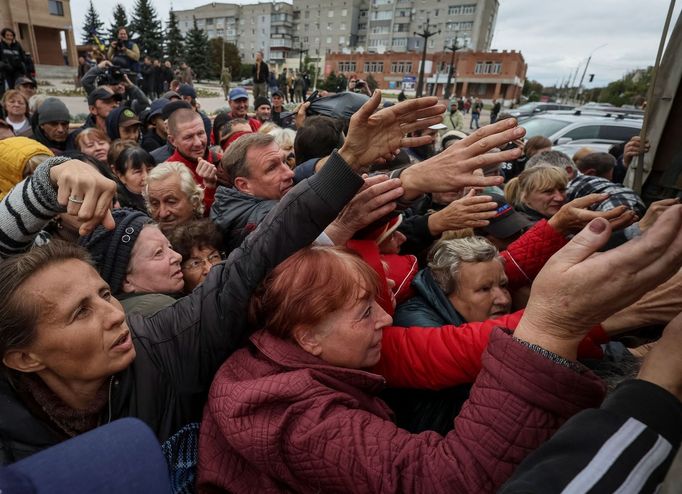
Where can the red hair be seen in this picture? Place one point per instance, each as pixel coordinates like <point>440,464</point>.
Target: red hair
<point>308,286</point>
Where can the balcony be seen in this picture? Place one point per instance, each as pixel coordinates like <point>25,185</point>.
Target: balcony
<point>280,43</point>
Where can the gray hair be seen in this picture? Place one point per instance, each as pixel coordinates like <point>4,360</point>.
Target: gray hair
<point>189,187</point>
<point>446,258</point>
<point>552,158</point>
<point>283,137</point>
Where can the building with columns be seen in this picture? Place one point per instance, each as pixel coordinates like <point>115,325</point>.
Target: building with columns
<point>42,27</point>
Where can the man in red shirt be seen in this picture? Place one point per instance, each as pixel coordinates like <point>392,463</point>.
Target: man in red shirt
<point>186,133</point>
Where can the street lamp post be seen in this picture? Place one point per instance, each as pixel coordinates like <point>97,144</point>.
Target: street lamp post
<point>582,78</point>
<point>426,34</point>
<point>451,72</point>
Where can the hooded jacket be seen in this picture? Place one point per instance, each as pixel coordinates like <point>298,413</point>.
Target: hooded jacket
<point>237,214</point>
<point>14,153</point>
<point>180,348</point>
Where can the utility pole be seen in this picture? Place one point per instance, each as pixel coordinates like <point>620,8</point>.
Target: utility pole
<point>573,83</point>
<point>426,34</point>
<point>582,78</point>
<point>300,57</point>
<point>452,71</point>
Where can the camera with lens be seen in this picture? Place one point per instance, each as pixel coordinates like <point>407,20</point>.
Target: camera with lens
<point>120,45</point>
<point>112,75</point>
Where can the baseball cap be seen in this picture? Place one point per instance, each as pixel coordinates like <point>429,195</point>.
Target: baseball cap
<point>507,221</point>
<point>172,106</point>
<point>277,93</point>
<point>238,93</point>
<point>187,90</point>
<point>102,94</point>
<point>128,118</point>
<point>25,80</point>
<point>170,95</point>
<point>157,107</point>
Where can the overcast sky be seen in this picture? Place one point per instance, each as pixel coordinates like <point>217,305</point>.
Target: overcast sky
<point>555,36</point>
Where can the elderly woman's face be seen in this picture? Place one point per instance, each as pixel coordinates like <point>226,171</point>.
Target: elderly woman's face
<point>351,337</point>
<point>134,178</point>
<point>482,291</point>
<point>154,266</point>
<point>82,334</point>
<point>547,201</point>
<point>196,268</point>
<point>95,147</point>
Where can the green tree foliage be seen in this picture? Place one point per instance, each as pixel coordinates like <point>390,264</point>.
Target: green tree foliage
<point>245,71</point>
<point>197,51</point>
<point>146,25</point>
<point>175,44</point>
<point>92,25</point>
<point>532,90</point>
<point>232,58</point>
<point>630,90</point>
<point>120,19</point>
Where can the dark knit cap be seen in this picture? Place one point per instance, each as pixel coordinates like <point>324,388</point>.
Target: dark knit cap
<point>111,249</point>
<point>260,101</point>
<point>53,110</point>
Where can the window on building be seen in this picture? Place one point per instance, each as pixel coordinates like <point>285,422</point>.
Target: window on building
<point>55,7</point>
<point>344,12</point>
<point>399,42</point>
<point>469,9</point>
<point>329,39</point>
<point>435,13</point>
<point>466,26</point>
<point>488,68</point>
<point>374,66</point>
<point>331,13</point>
<point>306,15</point>
<point>342,27</point>
<point>329,26</point>
<point>454,10</point>
<point>346,66</point>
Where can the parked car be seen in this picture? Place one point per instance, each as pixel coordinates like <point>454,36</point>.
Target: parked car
<point>535,108</point>
<point>566,127</point>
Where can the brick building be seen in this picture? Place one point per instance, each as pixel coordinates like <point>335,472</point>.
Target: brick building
<point>486,75</point>
<point>41,27</point>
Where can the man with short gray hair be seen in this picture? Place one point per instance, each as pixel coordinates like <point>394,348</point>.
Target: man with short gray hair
<point>554,158</point>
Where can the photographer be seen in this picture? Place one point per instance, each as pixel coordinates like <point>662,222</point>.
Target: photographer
<point>124,53</point>
<point>107,74</point>
<point>356,85</point>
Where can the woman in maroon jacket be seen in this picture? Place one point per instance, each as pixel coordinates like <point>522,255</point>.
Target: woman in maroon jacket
<point>296,411</point>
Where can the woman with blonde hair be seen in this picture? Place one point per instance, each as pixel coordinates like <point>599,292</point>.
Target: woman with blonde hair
<point>538,192</point>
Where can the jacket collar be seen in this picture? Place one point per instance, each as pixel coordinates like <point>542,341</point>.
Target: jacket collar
<point>290,356</point>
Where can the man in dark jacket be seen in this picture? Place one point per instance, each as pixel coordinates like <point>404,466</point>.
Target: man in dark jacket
<point>12,59</point>
<point>260,75</point>
<point>157,132</point>
<point>51,125</point>
<point>148,73</point>
<point>104,74</point>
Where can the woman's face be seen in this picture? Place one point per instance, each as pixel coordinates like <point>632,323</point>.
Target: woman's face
<point>351,336</point>
<point>9,37</point>
<point>482,291</point>
<point>196,268</point>
<point>134,178</point>
<point>547,201</point>
<point>82,334</point>
<point>15,107</point>
<point>154,267</point>
<point>97,148</point>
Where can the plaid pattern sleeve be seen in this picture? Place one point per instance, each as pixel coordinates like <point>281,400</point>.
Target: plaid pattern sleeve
<point>583,185</point>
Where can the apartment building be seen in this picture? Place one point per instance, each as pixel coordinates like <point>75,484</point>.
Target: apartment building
<point>266,27</point>
<point>42,26</point>
<point>321,27</point>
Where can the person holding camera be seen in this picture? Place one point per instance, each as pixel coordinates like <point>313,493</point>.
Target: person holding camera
<point>356,85</point>
<point>107,74</point>
<point>124,53</point>
<point>12,59</point>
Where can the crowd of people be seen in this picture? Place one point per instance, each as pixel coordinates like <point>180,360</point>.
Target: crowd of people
<point>349,297</point>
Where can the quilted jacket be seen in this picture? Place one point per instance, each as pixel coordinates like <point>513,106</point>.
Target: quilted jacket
<point>280,420</point>
<point>525,256</point>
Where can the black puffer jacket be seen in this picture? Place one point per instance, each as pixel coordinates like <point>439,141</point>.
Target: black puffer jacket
<point>180,348</point>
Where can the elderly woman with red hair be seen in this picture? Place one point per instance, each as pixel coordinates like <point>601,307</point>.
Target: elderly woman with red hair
<point>297,411</point>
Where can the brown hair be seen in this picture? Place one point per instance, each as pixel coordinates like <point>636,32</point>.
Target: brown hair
<point>234,160</point>
<point>539,178</point>
<point>308,286</point>
<point>535,144</point>
<point>181,116</point>
<point>196,234</point>
<point>90,133</point>
<point>19,313</point>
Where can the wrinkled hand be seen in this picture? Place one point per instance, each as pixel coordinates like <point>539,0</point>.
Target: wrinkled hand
<point>81,182</point>
<point>208,173</point>
<point>452,169</point>
<point>632,149</point>
<point>377,137</point>
<point>374,201</point>
<point>655,210</point>
<point>574,215</point>
<point>656,307</point>
<point>663,365</point>
<point>470,211</point>
<point>576,290</point>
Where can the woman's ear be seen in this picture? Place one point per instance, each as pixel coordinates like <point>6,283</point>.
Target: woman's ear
<point>22,361</point>
<point>307,339</point>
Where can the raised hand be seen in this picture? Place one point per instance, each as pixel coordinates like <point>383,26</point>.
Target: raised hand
<point>576,290</point>
<point>453,168</point>
<point>85,193</point>
<point>208,173</point>
<point>574,215</point>
<point>373,137</point>
<point>470,211</point>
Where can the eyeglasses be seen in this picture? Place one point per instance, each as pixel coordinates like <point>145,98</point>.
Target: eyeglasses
<point>194,263</point>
